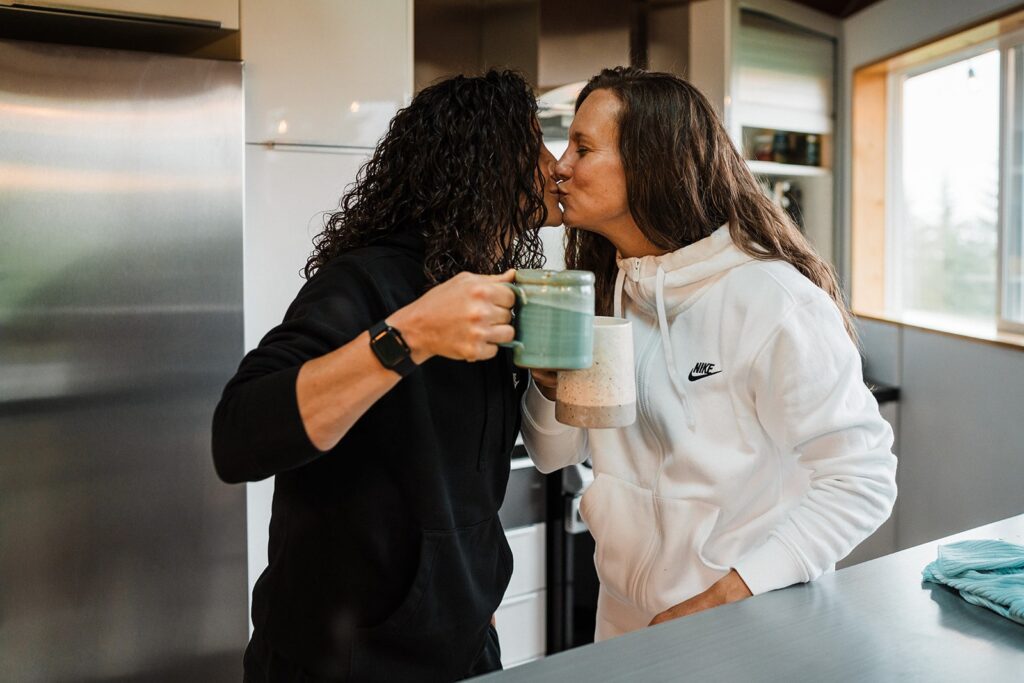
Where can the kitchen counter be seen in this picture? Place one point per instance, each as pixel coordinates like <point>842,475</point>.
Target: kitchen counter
<point>875,621</point>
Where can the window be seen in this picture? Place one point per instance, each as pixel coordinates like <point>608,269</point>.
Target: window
<point>938,183</point>
<point>945,169</point>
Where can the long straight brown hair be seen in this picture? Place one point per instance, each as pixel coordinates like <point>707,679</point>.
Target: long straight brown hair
<point>684,178</point>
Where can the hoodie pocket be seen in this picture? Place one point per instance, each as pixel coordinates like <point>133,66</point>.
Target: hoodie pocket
<point>620,518</point>
<point>649,550</point>
<point>680,567</point>
<point>438,630</point>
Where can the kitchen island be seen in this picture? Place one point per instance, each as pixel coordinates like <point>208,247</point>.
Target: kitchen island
<point>875,621</point>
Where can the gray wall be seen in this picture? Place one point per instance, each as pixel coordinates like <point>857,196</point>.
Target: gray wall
<point>960,428</point>
<point>960,421</point>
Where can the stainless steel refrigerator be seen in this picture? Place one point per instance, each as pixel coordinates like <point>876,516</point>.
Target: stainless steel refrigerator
<point>122,557</point>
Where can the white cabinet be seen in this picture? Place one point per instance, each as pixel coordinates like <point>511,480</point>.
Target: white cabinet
<point>522,632</point>
<point>287,192</point>
<point>528,553</point>
<point>217,13</point>
<point>521,620</point>
<point>325,72</point>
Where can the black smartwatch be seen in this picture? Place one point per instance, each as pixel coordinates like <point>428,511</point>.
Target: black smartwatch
<point>391,350</point>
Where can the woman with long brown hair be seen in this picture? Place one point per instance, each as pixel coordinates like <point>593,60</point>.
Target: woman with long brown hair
<point>758,458</point>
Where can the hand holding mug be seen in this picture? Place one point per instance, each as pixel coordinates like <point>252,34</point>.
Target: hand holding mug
<point>554,319</point>
<point>462,319</point>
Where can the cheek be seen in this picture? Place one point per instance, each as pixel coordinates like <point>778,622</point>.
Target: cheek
<point>613,187</point>
<point>602,188</point>
<point>600,181</point>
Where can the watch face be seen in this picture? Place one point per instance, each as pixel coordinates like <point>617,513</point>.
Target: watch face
<point>389,350</point>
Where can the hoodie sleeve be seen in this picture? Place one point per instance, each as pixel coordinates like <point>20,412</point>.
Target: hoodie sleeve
<point>257,429</point>
<point>811,399</point>
<point>551,444</point>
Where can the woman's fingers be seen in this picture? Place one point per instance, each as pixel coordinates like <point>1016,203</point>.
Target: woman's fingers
<point>547,382</point>
<point>502,296</point>
<point>500,334</point>
<point>499,315</point>
<point>545,378</point>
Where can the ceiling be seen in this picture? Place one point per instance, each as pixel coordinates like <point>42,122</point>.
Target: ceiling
<point>837,8</point>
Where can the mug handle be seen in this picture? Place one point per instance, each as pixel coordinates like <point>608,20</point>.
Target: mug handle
<point>520,302</point>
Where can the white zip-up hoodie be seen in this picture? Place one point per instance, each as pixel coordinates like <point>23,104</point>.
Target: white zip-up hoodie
<point>757,445</point>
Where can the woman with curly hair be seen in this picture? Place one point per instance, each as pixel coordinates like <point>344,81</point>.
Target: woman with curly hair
<point>385,408</point>
<point>758,458</point>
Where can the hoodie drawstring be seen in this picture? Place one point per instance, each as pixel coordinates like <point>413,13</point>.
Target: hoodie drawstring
<point>666,343</point>
<point>620,281</point>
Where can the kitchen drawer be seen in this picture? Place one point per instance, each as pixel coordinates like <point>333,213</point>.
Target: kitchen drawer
<point>529,555</point>
<point>522,628</point>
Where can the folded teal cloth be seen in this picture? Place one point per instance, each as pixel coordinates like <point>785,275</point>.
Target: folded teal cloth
<point>987,573</point>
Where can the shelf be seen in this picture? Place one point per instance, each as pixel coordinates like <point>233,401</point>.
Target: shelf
<point>787,170</point>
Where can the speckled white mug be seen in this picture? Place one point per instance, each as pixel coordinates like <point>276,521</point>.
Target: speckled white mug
<point>604,395</point>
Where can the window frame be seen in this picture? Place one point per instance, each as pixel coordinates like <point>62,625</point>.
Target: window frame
<point>895,210</point>
<point>1009,110</point>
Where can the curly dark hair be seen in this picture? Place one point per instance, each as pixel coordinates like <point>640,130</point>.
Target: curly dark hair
<point>459,165</point>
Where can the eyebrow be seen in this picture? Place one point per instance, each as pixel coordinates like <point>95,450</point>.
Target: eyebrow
<point>579,135</point>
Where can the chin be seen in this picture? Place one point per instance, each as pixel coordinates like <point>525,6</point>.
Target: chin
<point>570,220</point>
<point>554,219</point>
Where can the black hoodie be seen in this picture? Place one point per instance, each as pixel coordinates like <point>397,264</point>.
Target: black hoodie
<point>386,556</point>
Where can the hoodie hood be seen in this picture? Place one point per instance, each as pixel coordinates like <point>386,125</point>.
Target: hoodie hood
<point>666,284</point>
<point>685,272</point>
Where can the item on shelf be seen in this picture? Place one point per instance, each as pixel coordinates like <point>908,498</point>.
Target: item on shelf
<point>763,147</point>
<point>812,153</point>
<point>797,148</point>
<point>780,148</point>
<point>783,146</point>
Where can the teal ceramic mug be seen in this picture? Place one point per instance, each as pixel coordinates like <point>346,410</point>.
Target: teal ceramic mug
<point>554,319</point>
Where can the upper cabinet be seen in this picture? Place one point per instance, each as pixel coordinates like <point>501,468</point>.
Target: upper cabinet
<point>213,13</point>
<point>323,72</point>
<point>768,67</point>
<point>783,75</point>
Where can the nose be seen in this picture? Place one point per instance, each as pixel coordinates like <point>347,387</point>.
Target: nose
<point>562,170</point>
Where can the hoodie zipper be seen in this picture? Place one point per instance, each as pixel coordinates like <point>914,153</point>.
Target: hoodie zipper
<point>644,568</point>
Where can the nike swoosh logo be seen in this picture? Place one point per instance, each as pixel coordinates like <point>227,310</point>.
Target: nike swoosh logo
<point>694,378</point>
